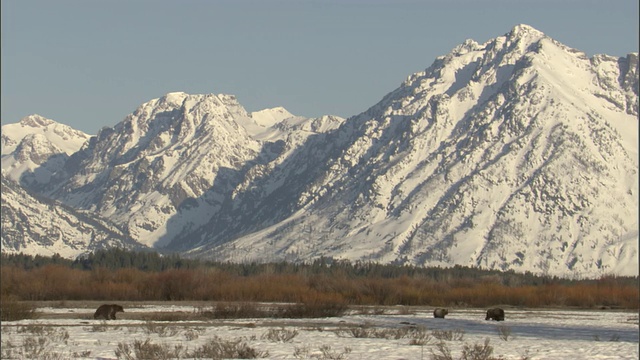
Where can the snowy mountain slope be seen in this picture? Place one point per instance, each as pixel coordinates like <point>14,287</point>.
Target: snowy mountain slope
<point>510,154</point>
<point>37,226</point>
<point>268,117</point>
<point>163,158</point>
<point>520,153</point>
<point>37,143</point>
<point>270,192</point>
<point>171,166</point>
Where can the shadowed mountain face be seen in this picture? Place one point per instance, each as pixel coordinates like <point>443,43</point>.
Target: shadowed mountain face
<point>36,225</point>
<point>519,153</point>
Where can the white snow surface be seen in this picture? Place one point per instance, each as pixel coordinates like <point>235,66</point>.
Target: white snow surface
<point>551,334</point>
<point>270,117</point>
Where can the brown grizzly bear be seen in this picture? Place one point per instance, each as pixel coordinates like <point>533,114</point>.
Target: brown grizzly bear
<point>496,314</point>
<point>439,313</point>
<point>108,312</point>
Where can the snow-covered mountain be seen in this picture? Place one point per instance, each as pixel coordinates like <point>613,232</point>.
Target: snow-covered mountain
<point>169,167</point>
<point>38,226</point>
<point>520,153</point>
<point>36,147</point>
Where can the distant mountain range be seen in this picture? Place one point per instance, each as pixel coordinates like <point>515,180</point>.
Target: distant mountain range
<point>520,153</point>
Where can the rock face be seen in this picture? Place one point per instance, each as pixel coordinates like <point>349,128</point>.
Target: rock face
<point>519,153</point>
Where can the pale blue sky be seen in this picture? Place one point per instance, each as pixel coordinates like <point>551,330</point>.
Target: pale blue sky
<point>89,63</point>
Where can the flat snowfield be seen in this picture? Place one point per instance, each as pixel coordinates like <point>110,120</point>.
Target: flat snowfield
<point>363,333</point>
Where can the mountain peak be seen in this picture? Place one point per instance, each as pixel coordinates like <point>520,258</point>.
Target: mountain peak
<point>521,30</point>
<point>519,39</point>
<point>270,117</point>
<point>173,99</point>
<point>35,121</point>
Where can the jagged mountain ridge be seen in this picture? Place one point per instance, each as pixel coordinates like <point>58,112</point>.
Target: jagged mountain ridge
<point>170,166</point>
<point>508,154</point>
<point>478,138</point>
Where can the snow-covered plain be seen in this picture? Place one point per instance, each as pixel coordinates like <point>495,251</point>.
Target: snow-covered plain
<point>525,333</point>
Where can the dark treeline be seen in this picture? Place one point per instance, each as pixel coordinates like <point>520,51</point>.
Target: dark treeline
<point>149,261</point>
<point>113,259</point>
<point>119,275</point>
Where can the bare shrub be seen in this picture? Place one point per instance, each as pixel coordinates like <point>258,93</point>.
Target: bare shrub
<point>358,332</point>
<point>162,330</point>
<point>82,354</point>
<point>41,345</point>
<point>478,351</point>
<point>11,309</point>
<point>55,334</point>
<point>443,352</point>
<point>326,352</point>
<point>362,332</point>
<point>39,348</point>
<point>448,335</point>
<point>7,347</point>
<point>35,329</point>
<point>504,332</point>
<point>192,333</point>
<point>280,335</point>
<point>302,352</point>
<point>469,352</point>
<point>218,348</point>
<point>419,336</point>
<point>399,333</point>
<point>97,328</point>
<point>146,350</point>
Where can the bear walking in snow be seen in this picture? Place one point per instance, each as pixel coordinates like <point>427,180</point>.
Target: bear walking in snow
<point>440,313</point>
<point>496,314</point>
<point>108,312</point>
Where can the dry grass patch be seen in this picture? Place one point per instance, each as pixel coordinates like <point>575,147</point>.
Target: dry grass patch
<point>281,335</point>
<point>11,309</point>
<point>38,342</point>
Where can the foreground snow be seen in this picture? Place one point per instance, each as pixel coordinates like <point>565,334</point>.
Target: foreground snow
<point>526,334</point>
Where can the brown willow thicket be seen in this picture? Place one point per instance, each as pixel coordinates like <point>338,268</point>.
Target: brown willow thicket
<point>59,282</point>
